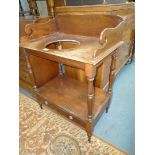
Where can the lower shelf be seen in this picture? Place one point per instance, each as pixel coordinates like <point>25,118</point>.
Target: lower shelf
<point>70,95</point>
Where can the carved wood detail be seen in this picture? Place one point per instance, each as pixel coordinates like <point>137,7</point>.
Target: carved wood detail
<point>41,27</point>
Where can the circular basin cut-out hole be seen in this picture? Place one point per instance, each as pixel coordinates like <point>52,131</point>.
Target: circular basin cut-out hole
<point>63,44</point>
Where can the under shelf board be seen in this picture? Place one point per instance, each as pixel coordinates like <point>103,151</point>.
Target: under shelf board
<point>71,96</point>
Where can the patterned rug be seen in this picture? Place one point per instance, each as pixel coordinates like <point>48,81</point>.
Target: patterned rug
<point>43,132</point>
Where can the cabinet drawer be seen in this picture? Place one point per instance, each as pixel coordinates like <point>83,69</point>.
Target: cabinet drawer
<point>25,76</point>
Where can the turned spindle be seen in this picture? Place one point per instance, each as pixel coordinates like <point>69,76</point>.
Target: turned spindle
<point>29,67</point>
<point>111,76</point>
<point>90,72</point>
<point>33,7</point>
<point>50,6</point>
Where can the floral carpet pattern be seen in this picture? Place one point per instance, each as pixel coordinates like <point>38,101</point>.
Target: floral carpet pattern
<point>43,132</point>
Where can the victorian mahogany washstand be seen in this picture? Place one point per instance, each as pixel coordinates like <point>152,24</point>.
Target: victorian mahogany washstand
<point>78,41</point>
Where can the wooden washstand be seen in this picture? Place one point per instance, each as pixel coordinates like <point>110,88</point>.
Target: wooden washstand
<point>78,41</point>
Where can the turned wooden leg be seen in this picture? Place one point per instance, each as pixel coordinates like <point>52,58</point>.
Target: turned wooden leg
<point>37,97</point>
<point>89,136</point>
<point>90,97</point>
<point>111,77</point>
<point>29,67</point>
<point>90,72</point>
<point>90,102</point>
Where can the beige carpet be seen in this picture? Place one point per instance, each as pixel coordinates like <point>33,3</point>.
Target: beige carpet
<point>43,132</point>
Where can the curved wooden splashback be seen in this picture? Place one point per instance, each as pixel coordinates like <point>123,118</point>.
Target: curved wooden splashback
<point>87,25</point>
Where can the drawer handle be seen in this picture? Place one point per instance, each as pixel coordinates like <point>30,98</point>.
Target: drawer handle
<point>46,103</point>
<point>70,117</point>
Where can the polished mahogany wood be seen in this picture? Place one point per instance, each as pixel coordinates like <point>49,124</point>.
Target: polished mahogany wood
<point>51,44</point>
